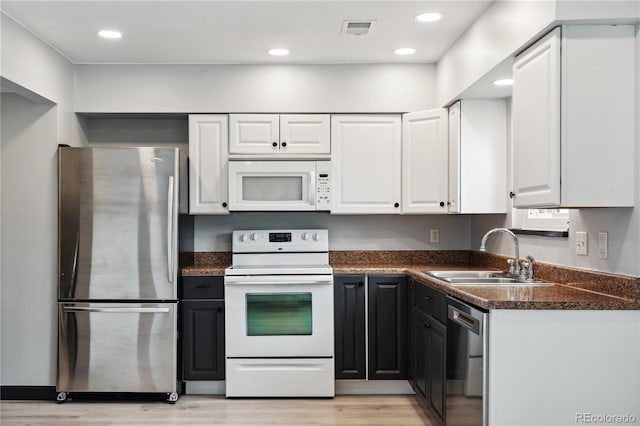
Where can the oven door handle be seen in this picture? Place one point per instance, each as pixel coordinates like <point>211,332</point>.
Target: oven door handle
<point>279,279</point>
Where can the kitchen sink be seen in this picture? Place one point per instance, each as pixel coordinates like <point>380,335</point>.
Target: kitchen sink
<point>481,278</point>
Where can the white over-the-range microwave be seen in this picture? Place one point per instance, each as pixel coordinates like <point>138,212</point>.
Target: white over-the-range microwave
<point>260,185</point>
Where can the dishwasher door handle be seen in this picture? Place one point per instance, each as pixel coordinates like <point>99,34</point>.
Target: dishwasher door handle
<point>465,320</point>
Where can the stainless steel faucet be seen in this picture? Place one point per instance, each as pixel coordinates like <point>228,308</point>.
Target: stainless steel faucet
<point>515,266</point>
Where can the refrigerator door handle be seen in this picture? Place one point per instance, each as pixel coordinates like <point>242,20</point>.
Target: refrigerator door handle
<point>170,230</point>
<point>115,310</point>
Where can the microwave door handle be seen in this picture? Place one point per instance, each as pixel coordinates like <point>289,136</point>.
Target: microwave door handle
<point>312,187</point>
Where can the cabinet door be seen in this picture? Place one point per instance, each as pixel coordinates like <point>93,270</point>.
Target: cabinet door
<point>305,134</point>
<point>436,370</point>
<point>454,158</point>
<point>419,366</point>
<point>536,124</point>
<point>203,355</point>
<point>208,158</point>
<point>387,327</point>
<point>424,161</point>
<point>411,333</point>
<point>366,164</point>
<point>254,133</point>
<point>349,323</point>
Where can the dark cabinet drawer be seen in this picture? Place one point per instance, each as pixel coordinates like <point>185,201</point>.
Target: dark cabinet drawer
<point>203,287</point>
<point>431,302</point>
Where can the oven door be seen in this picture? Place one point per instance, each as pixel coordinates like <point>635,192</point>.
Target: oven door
<point>272,185</point>
<point>279,316</point>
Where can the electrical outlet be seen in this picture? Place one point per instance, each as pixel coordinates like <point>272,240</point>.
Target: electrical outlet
<point>434,234</point>
<point>581,243</point>
<point>602,245</point>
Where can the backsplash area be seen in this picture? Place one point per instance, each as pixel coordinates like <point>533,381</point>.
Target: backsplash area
<point>370,232</point>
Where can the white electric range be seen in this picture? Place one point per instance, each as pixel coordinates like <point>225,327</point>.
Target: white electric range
<point>279,315</point>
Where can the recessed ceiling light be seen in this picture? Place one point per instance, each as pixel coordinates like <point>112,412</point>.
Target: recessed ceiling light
<point>405,51</point>
<point>113,34</point>
<point>504,82</point>
<point>428,17</point>
<point>278,52</point>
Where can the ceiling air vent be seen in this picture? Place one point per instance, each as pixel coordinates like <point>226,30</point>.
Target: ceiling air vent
<point>357,28</point>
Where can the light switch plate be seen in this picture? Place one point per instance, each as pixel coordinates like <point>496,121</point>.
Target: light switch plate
<point>434,234</point>
<point>602,245</point>
<point>581,243</point>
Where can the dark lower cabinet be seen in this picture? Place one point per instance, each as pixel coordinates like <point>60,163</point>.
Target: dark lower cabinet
<point>387,322</point>
<point>436,368</point>
<point>202,329</point>
<point>349,322</point>
<point>427,353</point>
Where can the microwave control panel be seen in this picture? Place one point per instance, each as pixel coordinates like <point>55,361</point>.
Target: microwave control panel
<point>323,186</point>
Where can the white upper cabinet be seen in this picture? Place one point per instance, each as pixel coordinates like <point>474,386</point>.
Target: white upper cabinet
<point>366,164</point>
<point>208,158</point>
<point>573,119</point>
<point>478,156</point>
<point>424,161</point>
<point>274,134</point>
<point>254,133</point>
<point>305,134</point>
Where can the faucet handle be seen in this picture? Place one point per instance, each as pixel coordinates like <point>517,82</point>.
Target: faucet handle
<point>512,266</point>
<point>525,265</point>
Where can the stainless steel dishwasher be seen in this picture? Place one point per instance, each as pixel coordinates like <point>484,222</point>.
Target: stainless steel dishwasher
<point>467,364</point>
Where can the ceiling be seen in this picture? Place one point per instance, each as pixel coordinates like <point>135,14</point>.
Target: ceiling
<point>238,32</point>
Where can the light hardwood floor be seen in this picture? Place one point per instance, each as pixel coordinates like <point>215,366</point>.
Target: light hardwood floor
<point>215,410</point>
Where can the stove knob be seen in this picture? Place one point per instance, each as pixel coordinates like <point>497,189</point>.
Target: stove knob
<point>244,237</point>
<point>255,236</point>
<point>305,236</point>
<point>316,237</point>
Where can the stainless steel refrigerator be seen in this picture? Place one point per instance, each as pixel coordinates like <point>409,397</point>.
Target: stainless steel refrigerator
<point>118,268</point>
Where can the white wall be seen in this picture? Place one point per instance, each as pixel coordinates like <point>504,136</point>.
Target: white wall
<point>254,88</point>
<point>30,63</point>
<point>29,224</point>
<point>383,232</point>
<point>30,134</point>
<point>499,32</point>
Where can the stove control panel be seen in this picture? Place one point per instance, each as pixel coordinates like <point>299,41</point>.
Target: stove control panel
<point>273,241</point>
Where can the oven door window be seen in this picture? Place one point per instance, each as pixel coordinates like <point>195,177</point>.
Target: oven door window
<point>279,314</point>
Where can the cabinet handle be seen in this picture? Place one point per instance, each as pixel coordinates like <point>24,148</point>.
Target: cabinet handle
<point>396,205</point>
<point>219,310</point>
<point>441,203</point>
<point>427,298</point>
<point>284,144</point>
<point>360,283</point>
<point>224,204</point>
<point>511,194</point>
<point>275,144</point>
<point>448,203</point>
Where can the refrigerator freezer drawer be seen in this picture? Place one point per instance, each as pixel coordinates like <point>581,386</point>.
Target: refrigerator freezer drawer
<point>117,347</point>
